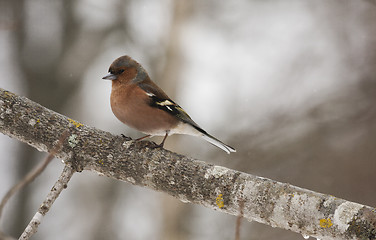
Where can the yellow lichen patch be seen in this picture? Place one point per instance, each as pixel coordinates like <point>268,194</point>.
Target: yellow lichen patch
<point>76,124</point>
<point>326,223</point>
<point>219,201</point>
<point>101,162</point>
<point>9,94</point>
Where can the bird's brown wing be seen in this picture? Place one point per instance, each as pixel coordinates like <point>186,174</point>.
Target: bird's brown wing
<point>160,100</point>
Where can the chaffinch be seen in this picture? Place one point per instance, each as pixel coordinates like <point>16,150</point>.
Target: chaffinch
<point>141,104</point>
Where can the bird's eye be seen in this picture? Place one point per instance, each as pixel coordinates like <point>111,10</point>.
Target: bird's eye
<point>121,71</point>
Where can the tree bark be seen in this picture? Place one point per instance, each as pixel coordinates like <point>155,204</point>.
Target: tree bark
<point>143,163</point>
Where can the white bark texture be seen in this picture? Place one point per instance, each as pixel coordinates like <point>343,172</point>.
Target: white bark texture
<point>266,201</point>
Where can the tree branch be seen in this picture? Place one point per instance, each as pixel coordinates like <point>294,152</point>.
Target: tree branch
<point>58,187</point>
<point>32,174</point>
<point>266,201</point>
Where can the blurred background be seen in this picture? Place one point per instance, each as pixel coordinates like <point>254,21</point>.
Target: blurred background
<point>290,84</point>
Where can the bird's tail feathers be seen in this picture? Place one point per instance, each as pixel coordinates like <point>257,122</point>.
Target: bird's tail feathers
<point>218,143</point>
<point>191,128</point>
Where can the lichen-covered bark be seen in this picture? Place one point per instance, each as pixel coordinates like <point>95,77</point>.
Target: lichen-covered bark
<point>277,204</point>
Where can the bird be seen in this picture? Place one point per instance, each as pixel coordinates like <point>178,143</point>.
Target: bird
<point>140,104</point>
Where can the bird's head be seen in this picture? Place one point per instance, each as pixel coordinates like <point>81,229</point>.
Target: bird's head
<point>125,69</point>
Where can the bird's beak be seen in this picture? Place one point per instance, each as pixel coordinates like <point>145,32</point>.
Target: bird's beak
<point>110,76</point>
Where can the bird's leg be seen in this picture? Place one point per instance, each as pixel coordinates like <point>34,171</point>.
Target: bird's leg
<point>139,139</point>
<point>164,139</point>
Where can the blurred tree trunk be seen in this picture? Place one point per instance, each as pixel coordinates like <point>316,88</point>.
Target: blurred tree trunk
<point>52,70</point>
<point>175,213</point>
<point>169,77</point>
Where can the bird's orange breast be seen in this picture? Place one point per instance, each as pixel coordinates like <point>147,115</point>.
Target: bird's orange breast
<point>131,105</point>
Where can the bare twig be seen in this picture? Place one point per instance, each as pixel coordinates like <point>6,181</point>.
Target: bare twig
<point>239,219</point>
<point>34,173</point>
<point>61,184</point>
